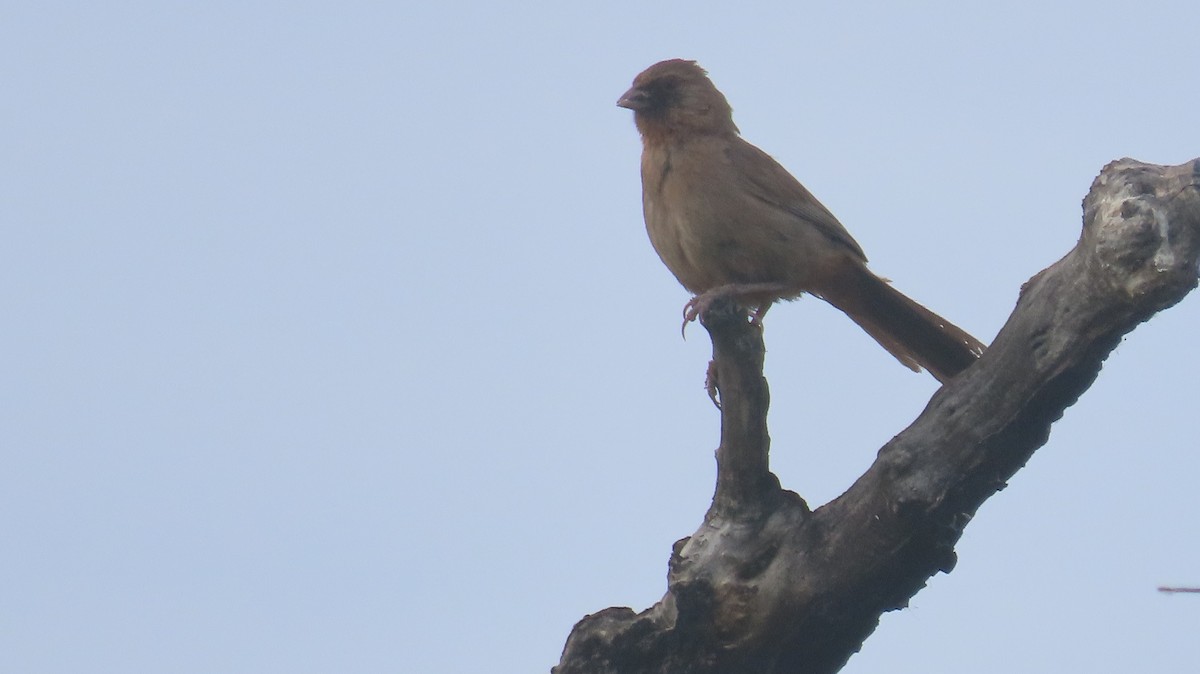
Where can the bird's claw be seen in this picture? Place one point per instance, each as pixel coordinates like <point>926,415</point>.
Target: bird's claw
<point>692,310</point>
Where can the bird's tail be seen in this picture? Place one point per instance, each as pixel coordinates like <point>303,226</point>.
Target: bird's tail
<point>916,336</point>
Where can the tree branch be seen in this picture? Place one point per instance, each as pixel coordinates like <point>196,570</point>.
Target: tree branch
<point>766,585</point>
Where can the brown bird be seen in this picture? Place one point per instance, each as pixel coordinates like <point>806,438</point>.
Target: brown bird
<point>728,220</point>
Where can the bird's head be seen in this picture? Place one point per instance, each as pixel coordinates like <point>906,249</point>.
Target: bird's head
<point>676,97</point>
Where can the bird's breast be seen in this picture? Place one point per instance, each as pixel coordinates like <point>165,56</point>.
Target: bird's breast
<point>707,230</point>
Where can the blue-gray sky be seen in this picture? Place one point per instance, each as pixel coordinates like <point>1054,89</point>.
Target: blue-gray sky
<point>332,340</point>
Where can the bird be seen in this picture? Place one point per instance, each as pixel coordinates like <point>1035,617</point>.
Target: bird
<point>729,221</point>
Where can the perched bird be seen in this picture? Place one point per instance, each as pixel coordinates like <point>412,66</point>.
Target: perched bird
<point>728,220</point>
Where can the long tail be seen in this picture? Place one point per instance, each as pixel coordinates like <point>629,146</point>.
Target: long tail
<point>916,336</point>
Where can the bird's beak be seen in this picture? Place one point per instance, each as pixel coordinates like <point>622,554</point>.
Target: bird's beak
<point>634,99</point>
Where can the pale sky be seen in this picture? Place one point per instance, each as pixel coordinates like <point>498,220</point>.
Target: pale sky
<point>333,342</point>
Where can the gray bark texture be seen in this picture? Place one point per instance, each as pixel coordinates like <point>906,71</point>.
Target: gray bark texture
<point>766,585</point>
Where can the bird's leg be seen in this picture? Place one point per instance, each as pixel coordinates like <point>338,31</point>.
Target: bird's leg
<point>700,303</point>
<point>757,316</point>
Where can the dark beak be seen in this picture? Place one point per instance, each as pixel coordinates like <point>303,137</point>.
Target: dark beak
<point>634,99</point>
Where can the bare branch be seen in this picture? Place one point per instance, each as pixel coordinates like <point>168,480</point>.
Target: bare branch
<point>1180,590</point>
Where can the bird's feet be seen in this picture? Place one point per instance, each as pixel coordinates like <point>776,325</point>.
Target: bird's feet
<point>696,306</point>
<point>758,295</point>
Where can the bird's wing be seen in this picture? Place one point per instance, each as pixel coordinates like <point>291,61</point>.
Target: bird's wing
<point>768,181</point>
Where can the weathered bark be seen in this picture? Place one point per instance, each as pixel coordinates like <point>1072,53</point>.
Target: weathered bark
<point>766,585</point>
